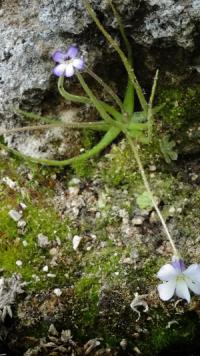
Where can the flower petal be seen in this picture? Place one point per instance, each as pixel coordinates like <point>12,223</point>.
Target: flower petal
<point>69,70</point>
<point>195,287</point>
<point>178,264</point>
<point>78,63</point>
<point>58,56</point>
<point>59,69</point>
<point>182,290</point>
<point>193,272</point>
<point>72,52</point>
<point>167,289</point>
<point>167,272</point>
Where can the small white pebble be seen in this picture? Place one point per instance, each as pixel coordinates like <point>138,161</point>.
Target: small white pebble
<point>127,261</point>
<point>51,275</point>
<point>25,243</point>
<point>9,182</point>
<point>172,210</point>
<point>19,263</point>
<point>21,224</point>
<point>57,292</point>
<point>15,215</point>
<point>76,241</point>
<point>74,181</point>
<point>35,277</point>
<point>30,176</point>
<point>89,248</point>
<point>138,220</point>
<point>179,210</point>
<point>152,168</point>
<point>123,344</point>
<point>73,190</point>
<point>43,240</point>
<point>45,268</point>
<point>23,206</point>
<point>53,251</point>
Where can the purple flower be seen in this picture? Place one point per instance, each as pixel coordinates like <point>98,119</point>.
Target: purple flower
<point>67,62</point>
<point>178,280</point>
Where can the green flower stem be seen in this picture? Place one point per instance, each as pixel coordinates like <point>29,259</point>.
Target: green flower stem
<point>98,105</point>
<point>75,98</point>
<point>71,97</point>
<point>146,184</point>
<point>33,116</point>
<point>122,31</point>
<point>124,59</point>
<point>111,134</point>
<point>107,88</point>
<point>150,110</point>
<point>128,102</point>
<point>101,126</point>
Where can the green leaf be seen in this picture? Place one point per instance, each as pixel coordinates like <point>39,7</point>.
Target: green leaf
<point>144,201</point>
<point>167,149</point>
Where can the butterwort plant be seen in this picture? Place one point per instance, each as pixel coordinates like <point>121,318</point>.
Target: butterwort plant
<point>120,117</point>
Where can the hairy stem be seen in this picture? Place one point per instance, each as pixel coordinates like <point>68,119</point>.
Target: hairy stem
<point>124,59</point>
<point>71,97</point>
<point>122,31</point>
<point>146,184</point>
<point>101,126</point>
<point>109,136</point>
<point>107,88</point>
<point>98,105</point>
<point>84,100</point>
<point>150,112</point>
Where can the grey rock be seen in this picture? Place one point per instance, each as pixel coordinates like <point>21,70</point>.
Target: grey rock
<point>174,22</point>
<point>15,215</point>
<point>30,31</point>
<point>43,241</point>
<point>9,289</point>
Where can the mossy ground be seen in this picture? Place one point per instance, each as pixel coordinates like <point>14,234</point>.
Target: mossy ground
<point>115,259</point>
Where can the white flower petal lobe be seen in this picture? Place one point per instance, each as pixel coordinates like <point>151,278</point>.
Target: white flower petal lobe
<point>167,272</point>
<point>69,70</point>
<point>166,290</point>
<point>182,290</point>
<point>193,272</point>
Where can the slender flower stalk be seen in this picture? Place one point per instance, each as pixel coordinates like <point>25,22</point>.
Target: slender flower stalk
<point>107,88</point>
<point>146,184</point>
<point>150,105</point>
<point>70,125</point>
<point>124,59</point>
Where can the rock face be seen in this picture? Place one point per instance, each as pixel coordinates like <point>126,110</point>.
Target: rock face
<point>31,30</point>
<point>170,22</point>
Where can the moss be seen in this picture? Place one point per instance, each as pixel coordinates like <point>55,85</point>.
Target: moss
<point>102,285</point>
<point>101,267</point>
<point>191,225</point>
<point>164,336</point>
<point>40,217</point>
<point>182,105</point>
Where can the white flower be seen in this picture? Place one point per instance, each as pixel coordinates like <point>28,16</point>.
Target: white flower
<point>67,61</point>
<point>178,280</point>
